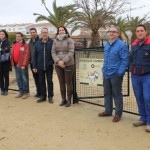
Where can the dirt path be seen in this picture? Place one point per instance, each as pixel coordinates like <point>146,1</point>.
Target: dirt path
<point>27,125</point>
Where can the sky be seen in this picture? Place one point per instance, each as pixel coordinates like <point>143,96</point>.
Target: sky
<point>21,11</point>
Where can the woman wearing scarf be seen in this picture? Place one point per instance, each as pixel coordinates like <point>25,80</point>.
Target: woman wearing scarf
<point>63,55</point>
<point>4,66</point>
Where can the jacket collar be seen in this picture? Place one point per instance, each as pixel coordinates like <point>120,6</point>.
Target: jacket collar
<point>111,43</point>
<point>46,41</point>
<point>137,41</point>
<point>37,38</point>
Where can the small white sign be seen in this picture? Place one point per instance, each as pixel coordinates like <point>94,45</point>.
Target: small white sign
<point>90,71</point>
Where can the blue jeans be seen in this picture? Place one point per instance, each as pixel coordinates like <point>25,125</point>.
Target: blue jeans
<point>22,78</point>
<point>141,88</point>
<point>113,89</point>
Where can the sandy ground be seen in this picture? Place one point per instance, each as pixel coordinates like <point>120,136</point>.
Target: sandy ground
<point>27,125</point>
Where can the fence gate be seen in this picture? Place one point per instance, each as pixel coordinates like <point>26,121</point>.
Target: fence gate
<point>90,90</point>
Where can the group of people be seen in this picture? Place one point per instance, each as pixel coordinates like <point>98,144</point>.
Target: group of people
<point>42,53</point>
<point>116,62</point>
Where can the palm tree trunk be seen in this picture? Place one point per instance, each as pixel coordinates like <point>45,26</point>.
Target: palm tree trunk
<point>95,39</point>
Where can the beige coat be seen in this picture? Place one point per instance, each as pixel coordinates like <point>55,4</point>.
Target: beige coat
<point>63,50</point>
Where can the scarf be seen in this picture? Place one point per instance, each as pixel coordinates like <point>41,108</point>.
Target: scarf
<point>61,36</point>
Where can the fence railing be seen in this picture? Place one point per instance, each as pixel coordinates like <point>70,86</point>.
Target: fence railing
<point>94,94</point>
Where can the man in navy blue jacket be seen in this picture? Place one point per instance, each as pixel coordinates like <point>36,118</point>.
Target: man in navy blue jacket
<point>43,63</point>
<point>141,75</point>
<point>116,60</point>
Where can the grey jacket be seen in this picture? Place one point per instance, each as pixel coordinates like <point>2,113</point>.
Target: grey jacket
<point>63,50</point>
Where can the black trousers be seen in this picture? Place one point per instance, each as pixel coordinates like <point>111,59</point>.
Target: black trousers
<point>36,80</point>
<point>4,75</point>
<point>65,81</point>
<point>43,76</point>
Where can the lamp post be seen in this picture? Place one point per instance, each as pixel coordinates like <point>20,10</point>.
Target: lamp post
<point>129,34</point>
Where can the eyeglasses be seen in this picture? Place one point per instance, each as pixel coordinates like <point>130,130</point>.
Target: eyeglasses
<point>112,32</point>
<point>44,32</point>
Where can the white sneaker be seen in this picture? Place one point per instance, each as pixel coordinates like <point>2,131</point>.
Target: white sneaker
<point>25,96</point>
<point>19,95</point>
<point>139,123</point>
<point>147,128</point>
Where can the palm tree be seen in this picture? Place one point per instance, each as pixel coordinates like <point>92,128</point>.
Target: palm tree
<point>147,25</point>
<point>62,15</point>
<point>93,22</point>
<point>133,22</point>
<point>96,14</point>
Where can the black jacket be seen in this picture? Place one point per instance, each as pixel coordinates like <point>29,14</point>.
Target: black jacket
<point>5,48</point>
<point>32,48</point>
<point>42,57</point>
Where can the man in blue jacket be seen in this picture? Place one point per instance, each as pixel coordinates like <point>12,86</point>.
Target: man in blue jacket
<point>141,75</point>
<point>43,64</point>
<point>116,60</point>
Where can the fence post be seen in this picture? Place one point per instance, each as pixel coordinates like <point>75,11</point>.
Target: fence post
<point>75,97</point>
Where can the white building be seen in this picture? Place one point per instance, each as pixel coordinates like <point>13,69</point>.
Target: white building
<point>15,27</point>
<point>25,28</point>
<point>39,26</point>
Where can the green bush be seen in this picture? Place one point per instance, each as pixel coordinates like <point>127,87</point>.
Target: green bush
<point>12,37</point>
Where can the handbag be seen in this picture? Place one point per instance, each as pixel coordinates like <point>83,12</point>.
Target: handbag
<point>5,57</point>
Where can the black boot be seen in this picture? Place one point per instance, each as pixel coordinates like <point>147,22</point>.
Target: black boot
<point>68,104</point>
<point>63,102</point>
<point>41,99</point>
<point>37,95</point>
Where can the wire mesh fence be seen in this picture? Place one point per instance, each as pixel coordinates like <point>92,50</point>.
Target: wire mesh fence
<point>95,94</point>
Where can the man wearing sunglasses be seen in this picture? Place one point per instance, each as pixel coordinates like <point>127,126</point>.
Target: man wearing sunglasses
<point>116,60</point>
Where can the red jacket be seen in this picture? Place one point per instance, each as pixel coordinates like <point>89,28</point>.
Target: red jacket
<point>24,55</point>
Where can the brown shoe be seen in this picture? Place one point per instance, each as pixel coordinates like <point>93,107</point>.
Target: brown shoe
<point>104,114</point>
<point>116,118</point>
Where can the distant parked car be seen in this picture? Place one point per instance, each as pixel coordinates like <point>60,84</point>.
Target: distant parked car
<point>78,45</point>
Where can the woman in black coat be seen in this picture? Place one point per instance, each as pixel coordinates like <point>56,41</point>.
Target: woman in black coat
<point>4,66</point>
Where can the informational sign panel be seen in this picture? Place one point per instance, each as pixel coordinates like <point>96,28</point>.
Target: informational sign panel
<point>90,71</point>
